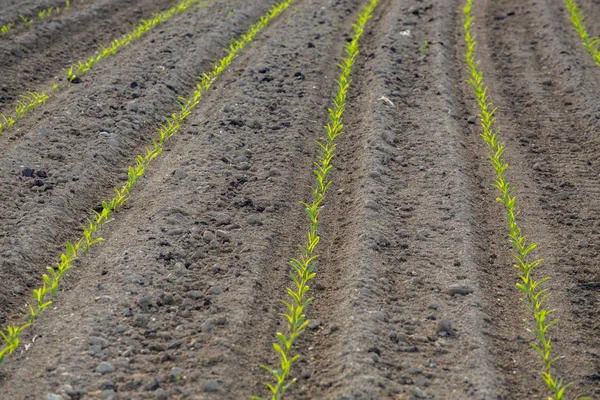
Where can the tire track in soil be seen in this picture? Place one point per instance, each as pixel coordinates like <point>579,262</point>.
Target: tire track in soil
<point>161,292</point>
<point>413,225</point>
<point>547,106</point>
<point>33,59</point>
<point>75,165</point>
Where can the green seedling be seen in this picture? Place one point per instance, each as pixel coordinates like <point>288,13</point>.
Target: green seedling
<point>44,294</point>
<point>42,15</point>
<point>425,46</point>
<point>67,4</point>
<point>303,268</point>
<point>54,87</point>
<point>535,297</point>
<point>26,20</point>
<point>591,43</point>
<point>146,25</point>
<point>6,28</point>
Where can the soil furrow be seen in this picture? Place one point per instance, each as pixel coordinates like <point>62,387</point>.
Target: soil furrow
<point>33,60</point>
<point>388,324</point>
<point>72,159</point>
<point>196,285</point>
<point>555,178</point>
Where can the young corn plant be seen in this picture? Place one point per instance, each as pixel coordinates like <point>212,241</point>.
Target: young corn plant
<point>591,43</point>
<point>146,25</point>
<point>26,20</point>
<point>44,295</point>
<point>6,28</point>
<point>303,268</point>
<point>26,104</point>
<point>534,296</point>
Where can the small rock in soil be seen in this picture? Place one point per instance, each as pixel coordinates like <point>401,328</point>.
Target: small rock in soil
<point>372,205</point>
<point>444,326</point>
<point>472,119</point>
<point>313,324</point>
<point>583,243</point>
<point>52,396</point>
<point>105,368</point>
<point>208,236</point>
<point>41,174</point>
<point>215,291</point>
<point>28,172</point>
<point>195,294</point>
<point>575,148</point>
<point>223,219</point>
<point>176,374</point>
<point>254,219</point>
<point>210,387</point>
<point>547,82</point>
<point>30,205</point>
<point>459,289</point>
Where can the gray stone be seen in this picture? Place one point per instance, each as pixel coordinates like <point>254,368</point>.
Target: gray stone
<point>208,236</point>
<point>372,205</point>
<point>195,294</point>
<point>30,205</point>
<point>223,218</point>
<point>52,396</point>
<point>444,325</point>
<point>254,219</point>
<point>215,291</point>
<point>141,320</point>
<point>223,235</point>
<point>176,374</point>
<point>459,289</point>
<point>210,387</point>
<point>105,368</point>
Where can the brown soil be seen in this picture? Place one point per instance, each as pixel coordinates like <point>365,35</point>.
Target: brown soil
<point>188,280</point>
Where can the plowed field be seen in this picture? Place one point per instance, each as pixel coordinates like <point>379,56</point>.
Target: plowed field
<point>414,295</point>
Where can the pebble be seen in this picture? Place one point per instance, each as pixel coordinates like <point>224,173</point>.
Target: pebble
<point>583,243</point>
<point>176,374</point>
<point>208,236</point>
<point>575,148</point>
<point>444,325</point>
<point>313,324</point>
<point>52,396</point>
<point>141,320</point>
<point>210,387</point>
<point>223,218</point>
<point>105,368</point>
<point>547,82</point>
<point>30,205</point>
<point>459,289</point>
<point>223,235</point>
<point>109,395</point>
<point>195,294</point>
<point>417,393</point>
<point>372,205</point>
<point>254,219</point>
<point>215,291</point>
<point>472,119</point>
<point>28,172</point>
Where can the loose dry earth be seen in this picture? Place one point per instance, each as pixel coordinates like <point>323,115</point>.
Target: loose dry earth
<point>181,300</point>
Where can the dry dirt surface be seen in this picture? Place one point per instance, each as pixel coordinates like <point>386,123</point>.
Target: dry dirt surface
<point>415,293</point>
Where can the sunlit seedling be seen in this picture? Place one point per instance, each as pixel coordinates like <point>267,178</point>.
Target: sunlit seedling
<point>26,20</point>
<point>6,28</point>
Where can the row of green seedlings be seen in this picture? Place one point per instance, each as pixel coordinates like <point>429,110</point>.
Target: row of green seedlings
<point>303,267</point>
<point>146,25</point>
<point>591,43</point>
<point>26,104</point>
<point>535,297</point>
<point>43,14</point>
<point>29,102</point>
<point>46,293</point>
